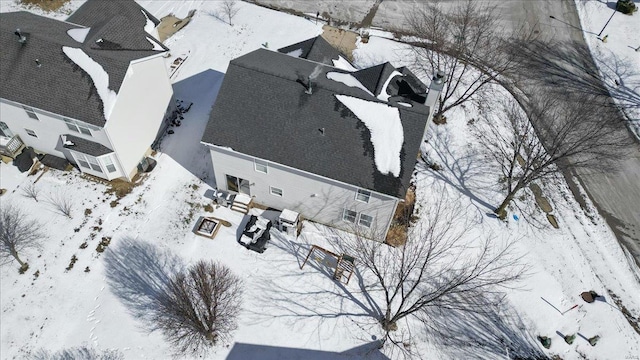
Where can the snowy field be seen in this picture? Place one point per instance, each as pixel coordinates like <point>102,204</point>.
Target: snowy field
<point>290,313</point>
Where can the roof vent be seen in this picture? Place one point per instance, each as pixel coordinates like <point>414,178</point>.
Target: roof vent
<point>321,131</point>
<point>38,63</point>
<point>21,38</point>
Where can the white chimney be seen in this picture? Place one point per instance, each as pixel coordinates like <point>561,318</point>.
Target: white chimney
<point>433,96</point>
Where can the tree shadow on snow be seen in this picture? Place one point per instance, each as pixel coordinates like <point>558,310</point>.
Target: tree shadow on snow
<point>184,144</point>
<point>138,273</point>
<point>464,172</point>
<point>490,333</point>
<point>298,294</point>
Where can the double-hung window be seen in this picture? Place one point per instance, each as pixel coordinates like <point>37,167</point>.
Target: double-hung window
<point>108,163</point>
<point>82,160</point>
<point>365,220</point>
<point>357,218</point>
<point>77,127</point>
<point>363,195</point>
<point>30,112</point>
<point>349,215</point>
<point>88,161</point>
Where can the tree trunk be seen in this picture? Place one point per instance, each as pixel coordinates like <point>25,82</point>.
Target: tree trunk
<point>15,256</point>
<point>501,211</point>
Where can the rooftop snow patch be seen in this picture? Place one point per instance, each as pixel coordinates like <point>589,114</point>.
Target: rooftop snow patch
<point>383,92</point>
<point>348,80</point>
<point>78,35</point>
<point>97,74</point>
<point>387,135</point>
<point>149,26</point>
<point>343,64</point>
<point>295,53</point>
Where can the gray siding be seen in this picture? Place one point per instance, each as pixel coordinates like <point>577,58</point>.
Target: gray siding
<point>316,198</point>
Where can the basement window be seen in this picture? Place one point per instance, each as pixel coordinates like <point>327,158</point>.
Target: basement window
<point>31,133</point>
<point>275,191</point>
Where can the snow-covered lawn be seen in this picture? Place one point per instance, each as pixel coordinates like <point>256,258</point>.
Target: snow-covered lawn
<point>289,313</point>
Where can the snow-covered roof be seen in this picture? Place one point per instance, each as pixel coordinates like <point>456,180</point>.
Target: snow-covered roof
<point>62,83</point>
<point>319,50</point>
<point>340,129</point>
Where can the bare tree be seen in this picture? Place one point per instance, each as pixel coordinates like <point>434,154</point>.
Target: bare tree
<point>230,9</point>
<point>61,203</point>
<point>18,232</point>
<point>465,43</point>
<point>576,132</point>
<point>31,191</point>
<point>440,266</point>
<point>200,307</point>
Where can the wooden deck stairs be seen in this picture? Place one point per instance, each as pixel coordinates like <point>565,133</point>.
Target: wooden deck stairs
<point>241,203</point>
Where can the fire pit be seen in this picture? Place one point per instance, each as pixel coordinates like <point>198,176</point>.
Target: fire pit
<point>207,227</point>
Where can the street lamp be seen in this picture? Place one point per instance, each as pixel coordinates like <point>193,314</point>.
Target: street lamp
<point>605,25</point>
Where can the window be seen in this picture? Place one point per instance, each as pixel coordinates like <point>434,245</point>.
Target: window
<point>30,112</point>
<point>238,185</point>
<point>363,195</point>
<point>82,160</point>
<point>4,130</point>
<point>93,162</point>
<point>365,220</point>
<point>261,166</point>
<point>275,191</point>
<point>349,215</point>
<point>108,163</point>
<point>31,133</point>
<point>77,127</point>
<point>87,161</point>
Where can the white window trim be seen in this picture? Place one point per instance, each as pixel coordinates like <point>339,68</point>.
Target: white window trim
<point>257,162</point>
<point>363,192</point>
<point>107,161</point>
<point>344,216</point>
<point>77,127</point>
<point>274,191</point>
<point>360,220</point>
<point>31,133</point>
<point>30,111</point>
<point>87,159</point>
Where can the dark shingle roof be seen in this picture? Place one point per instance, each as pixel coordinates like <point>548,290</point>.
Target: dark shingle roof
<point>59,85</point>
<point>262,110</point>
<point>86,146</point>
<point>315,49</point>
<point>94,12</point>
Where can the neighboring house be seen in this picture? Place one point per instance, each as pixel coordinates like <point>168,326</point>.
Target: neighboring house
<point>93,89</point>
<point>335,145</point>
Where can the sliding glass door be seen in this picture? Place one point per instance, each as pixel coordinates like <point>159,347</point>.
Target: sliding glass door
<point>238,185</point>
